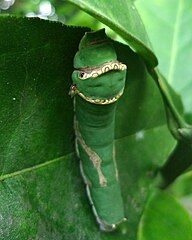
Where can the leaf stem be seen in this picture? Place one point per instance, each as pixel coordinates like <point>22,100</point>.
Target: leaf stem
<point>174,119</point>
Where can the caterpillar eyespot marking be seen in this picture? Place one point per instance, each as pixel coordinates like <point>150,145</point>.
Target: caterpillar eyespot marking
<point>98,83</point>
<point>82,74</point>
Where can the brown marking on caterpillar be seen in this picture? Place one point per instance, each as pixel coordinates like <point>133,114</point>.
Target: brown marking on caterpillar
<point>94,157</point>
<point>115,163</point>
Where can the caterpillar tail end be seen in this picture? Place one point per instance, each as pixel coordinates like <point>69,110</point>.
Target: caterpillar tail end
<point>109,227</point>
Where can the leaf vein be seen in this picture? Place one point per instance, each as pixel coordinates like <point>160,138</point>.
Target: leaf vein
<point>35,167</point>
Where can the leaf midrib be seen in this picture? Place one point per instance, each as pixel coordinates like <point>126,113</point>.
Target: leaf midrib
<point>35,167</point>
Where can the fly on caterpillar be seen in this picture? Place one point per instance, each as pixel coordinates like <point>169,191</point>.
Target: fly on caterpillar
<point>98,83</point>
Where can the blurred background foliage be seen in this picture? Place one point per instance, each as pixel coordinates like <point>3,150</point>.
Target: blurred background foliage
<point>54,10</point>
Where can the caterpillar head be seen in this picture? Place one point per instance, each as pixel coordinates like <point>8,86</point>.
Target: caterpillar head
<point>98,76</point>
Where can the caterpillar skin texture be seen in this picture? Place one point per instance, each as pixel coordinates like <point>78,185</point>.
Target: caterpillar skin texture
<point>98,82</point>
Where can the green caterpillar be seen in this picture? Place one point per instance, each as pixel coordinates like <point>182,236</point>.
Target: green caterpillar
<point>98,82</point>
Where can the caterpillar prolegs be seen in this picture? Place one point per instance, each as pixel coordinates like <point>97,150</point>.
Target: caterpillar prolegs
<point>98,82</point>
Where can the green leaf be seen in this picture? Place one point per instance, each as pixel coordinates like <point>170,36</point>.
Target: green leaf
<point>168,24</point>
<point>42,195</point>
<point>123,18</point>
<point>36,112</point>
<point>181,188</point>
<point>164,218</point>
